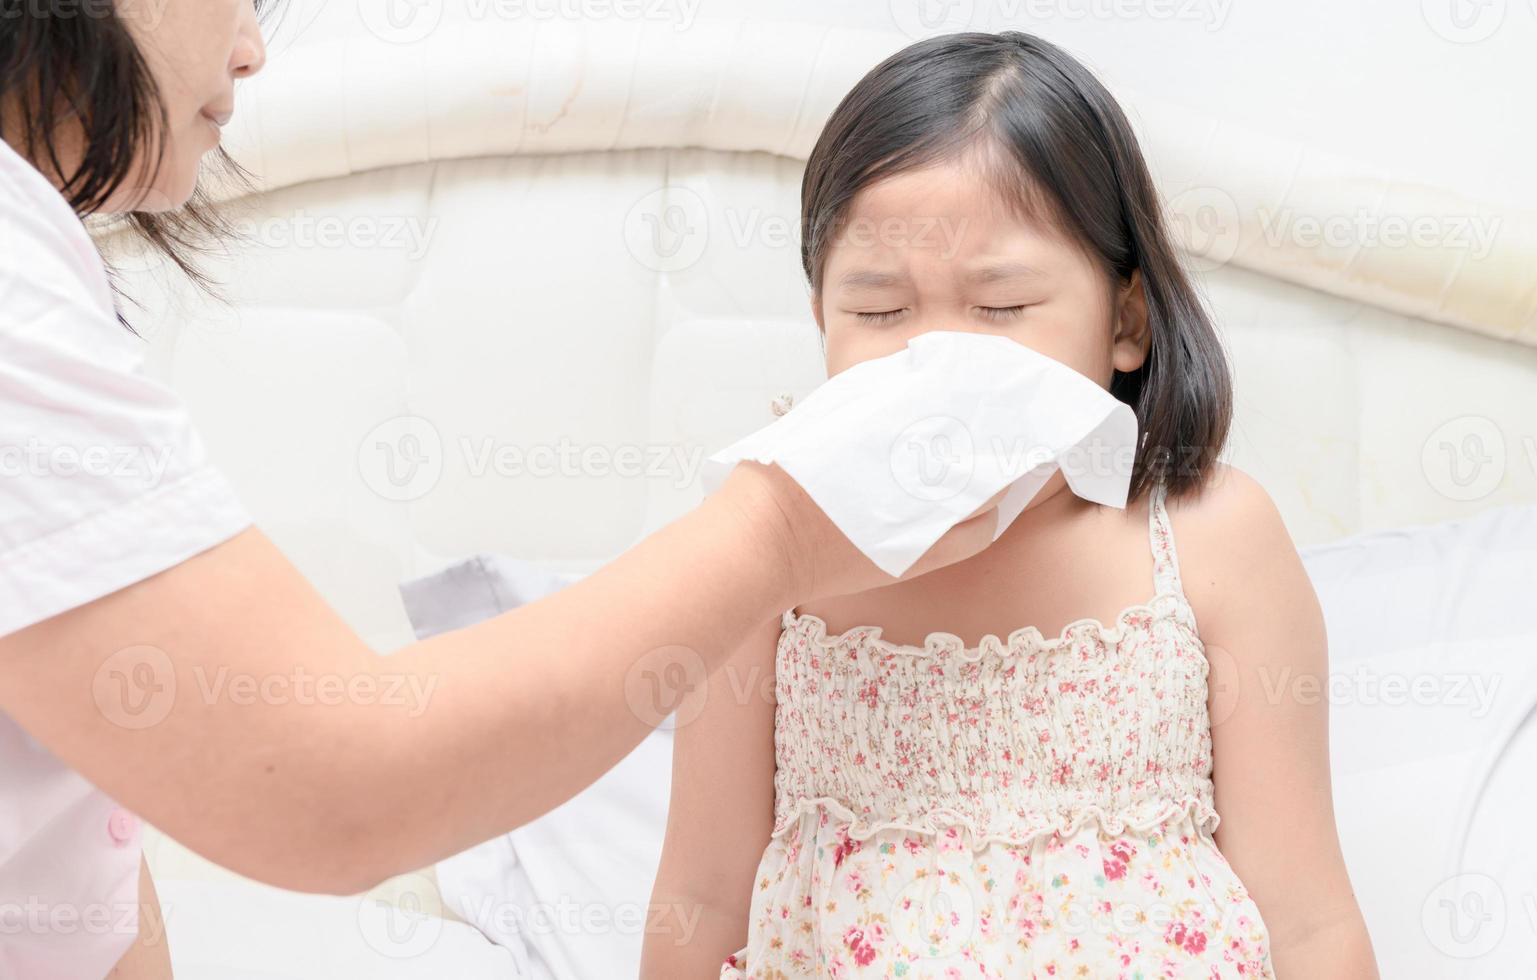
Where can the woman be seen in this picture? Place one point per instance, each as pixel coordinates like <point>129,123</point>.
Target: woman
<point>125,587</point>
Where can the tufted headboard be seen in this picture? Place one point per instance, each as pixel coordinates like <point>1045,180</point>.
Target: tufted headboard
<point>503,285</point>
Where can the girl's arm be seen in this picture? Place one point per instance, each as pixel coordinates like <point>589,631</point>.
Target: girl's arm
<point>1266,643</point>
<point>719,820</point>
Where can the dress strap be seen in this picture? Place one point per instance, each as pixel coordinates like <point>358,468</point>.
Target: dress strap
<point>1161,533</point>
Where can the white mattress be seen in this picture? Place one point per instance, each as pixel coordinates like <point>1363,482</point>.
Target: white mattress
<point>236,930</point>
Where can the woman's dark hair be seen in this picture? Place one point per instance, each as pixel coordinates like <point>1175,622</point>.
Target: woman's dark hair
<point>74,63</point>
<point>1067,156</point>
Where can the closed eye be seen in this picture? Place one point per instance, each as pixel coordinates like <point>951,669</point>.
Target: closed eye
<point>881,316</point>
<point>1002,312</point>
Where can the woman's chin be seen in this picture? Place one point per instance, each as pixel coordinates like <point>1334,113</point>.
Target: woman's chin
<point>175,181</point>
<point>169,193</point>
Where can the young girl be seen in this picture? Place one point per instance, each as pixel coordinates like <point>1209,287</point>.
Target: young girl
<point>991,800</point>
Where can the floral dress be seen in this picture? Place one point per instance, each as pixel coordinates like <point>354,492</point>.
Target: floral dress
<point>1027,808</point>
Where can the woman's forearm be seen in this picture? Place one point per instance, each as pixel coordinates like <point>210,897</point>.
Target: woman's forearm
<point>226,703</point>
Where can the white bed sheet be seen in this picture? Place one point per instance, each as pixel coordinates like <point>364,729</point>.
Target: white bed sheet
<point>240,930</point>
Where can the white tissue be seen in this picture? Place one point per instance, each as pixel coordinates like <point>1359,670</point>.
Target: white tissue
<point>898,450</point>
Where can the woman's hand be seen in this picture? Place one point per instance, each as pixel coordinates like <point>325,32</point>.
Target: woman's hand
<point>819,559</point>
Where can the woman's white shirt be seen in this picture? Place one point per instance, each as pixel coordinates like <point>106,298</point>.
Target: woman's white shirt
<point>103,483</point>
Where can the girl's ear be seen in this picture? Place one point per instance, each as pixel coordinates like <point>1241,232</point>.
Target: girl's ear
<point>1131,336</point>
<point>816,311</point>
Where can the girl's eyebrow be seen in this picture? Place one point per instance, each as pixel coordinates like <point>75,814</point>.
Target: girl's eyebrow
<point>870,279</point>
<point>1004,271</point>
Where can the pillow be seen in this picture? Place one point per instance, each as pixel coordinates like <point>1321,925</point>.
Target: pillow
<point>568,892</point>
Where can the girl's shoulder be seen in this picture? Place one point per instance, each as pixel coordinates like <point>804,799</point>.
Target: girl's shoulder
<point>1225,484</point>
<point>1230,536</point>
<point>1229,500</point>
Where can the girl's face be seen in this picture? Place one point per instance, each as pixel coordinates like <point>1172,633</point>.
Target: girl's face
<point>196,49</point>
<point>939,249</point>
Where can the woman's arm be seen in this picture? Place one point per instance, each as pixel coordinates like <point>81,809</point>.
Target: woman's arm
<point>227,704</point>
<point>1266,643</point>
<point>719,820</point>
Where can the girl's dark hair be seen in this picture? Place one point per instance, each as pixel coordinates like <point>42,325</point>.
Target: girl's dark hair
<point>1063,151</point>
<point>74,62</point>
